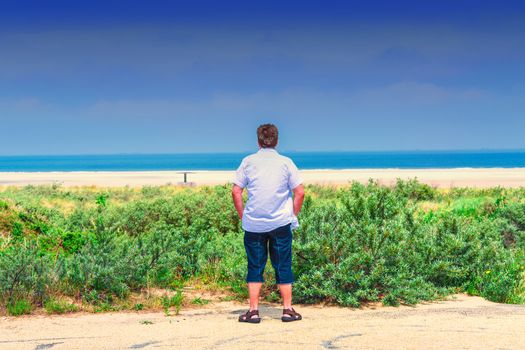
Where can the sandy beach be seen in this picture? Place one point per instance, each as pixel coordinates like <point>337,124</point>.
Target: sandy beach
<point>439,178</point>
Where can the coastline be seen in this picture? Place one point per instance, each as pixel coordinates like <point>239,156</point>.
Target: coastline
<point>435,177</point>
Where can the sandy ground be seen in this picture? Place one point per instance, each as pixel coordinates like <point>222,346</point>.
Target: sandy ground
<point>463,323</point>
<point>444,178</point>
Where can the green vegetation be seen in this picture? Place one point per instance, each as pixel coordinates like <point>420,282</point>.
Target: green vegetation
<point>138,307</point>
<point>173,301</point>
<point>104,248</point>
<point>19,307</point>
<point>58,306</point>
<point>200,301</point>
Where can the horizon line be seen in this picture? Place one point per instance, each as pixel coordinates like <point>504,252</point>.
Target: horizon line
<point>466,150</point>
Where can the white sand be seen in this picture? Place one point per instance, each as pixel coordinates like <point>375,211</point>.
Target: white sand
<point>443,178</point>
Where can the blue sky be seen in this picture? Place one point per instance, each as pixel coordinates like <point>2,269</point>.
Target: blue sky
<point>199,76</point>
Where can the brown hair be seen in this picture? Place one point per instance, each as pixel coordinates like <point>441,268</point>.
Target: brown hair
<point>267,135</point>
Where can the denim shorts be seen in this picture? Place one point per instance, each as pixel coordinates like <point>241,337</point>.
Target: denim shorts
<point>279,243</point>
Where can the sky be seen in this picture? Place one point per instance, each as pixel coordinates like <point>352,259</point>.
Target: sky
<point>106,77</point>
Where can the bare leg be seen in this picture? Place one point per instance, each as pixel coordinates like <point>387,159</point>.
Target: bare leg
<point>286,294</point>
<point>254,289</point>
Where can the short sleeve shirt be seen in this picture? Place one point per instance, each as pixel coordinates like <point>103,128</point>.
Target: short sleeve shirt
<point>269,179</point>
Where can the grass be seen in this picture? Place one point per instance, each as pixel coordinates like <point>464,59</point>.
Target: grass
<point>19,307</point>
<point>174,301</point>
<point>138,307</point>
<point>200,301</point>
<point>58,306</point>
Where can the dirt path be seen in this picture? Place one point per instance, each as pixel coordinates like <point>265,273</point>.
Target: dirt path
<point>464,323</point>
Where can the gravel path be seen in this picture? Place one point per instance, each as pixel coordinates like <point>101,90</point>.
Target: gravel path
<point>463,323</point>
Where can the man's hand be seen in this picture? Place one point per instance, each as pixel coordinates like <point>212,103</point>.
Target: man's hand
<point>237,200</point>
<point>298,198</point>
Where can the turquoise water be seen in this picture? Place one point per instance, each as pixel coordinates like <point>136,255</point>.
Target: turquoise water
<point>229,161</point>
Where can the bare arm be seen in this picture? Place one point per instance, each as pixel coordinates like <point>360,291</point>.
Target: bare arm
<point>298,198</point>
<point>237,200</point>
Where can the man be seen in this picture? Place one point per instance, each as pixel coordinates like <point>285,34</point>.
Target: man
<point>268,218</point>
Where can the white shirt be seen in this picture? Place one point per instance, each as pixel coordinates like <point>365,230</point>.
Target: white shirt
<point>269,178</point>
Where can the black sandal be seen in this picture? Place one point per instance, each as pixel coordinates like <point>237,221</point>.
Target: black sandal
<point>248,317</point>
<point>292,315</point>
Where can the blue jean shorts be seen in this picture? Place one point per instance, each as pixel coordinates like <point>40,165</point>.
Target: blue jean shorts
<point>279,243</point>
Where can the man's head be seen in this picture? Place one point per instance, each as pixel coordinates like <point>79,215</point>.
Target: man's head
<point>267,135</point>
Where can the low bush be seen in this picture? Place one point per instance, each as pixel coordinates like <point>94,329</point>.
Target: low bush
<point>24,273</point>
<point>356,244</point>
<point>172,301</point>
<point>58,306</point>
<point>19,307</point>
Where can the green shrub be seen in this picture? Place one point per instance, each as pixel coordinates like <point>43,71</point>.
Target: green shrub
<point>222,261</point>
<point>513,233</point>
<point>4,205</point>
<point>24,273</point>
<point>138,307</point>
<point>58,306</point>
<point>356,249</point>
<point>18,230</point>
<point>173,301</point>
<point>199,301</point>
<point>414,190</point>
<point>19,307</point>
<point>356,243</point>
<point>100,270</point>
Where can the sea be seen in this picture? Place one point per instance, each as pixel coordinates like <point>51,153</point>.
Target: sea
<point>230,161</point>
